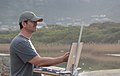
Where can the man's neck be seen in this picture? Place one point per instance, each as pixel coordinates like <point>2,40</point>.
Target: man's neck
<point>25,34</point>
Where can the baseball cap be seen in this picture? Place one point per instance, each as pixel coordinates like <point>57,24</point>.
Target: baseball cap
<point>28,15</point>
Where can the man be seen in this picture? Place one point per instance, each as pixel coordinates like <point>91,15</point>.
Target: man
<point>23,55</point>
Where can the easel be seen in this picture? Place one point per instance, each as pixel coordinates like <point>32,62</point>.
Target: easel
<point>73,70</point>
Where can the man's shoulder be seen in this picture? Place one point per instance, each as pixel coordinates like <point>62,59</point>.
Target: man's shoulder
<point>19,39</point>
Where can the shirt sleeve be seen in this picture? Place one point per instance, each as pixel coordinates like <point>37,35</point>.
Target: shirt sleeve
<point>25,51</point>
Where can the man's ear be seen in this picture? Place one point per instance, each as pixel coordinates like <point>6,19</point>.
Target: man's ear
<point>24,24</point>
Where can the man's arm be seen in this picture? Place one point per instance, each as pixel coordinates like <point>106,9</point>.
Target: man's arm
<point>48,61</point>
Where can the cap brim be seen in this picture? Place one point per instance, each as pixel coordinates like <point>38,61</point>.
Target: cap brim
<point>37,19</point>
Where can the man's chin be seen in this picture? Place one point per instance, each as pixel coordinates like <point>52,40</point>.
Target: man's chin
<point>33,31</point>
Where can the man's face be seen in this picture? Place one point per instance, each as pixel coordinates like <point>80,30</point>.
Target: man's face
<point>31,26</point>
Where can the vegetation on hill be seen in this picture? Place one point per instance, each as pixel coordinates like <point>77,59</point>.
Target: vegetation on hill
<point>107,32</point>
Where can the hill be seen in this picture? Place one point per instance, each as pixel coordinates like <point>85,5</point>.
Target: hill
<point>107,32</point>
<point>63,11</point>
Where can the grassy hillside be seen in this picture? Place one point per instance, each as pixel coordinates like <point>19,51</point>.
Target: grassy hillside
<point>108,32</point>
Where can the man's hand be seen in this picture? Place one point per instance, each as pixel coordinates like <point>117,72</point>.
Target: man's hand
<point>65,57</point>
